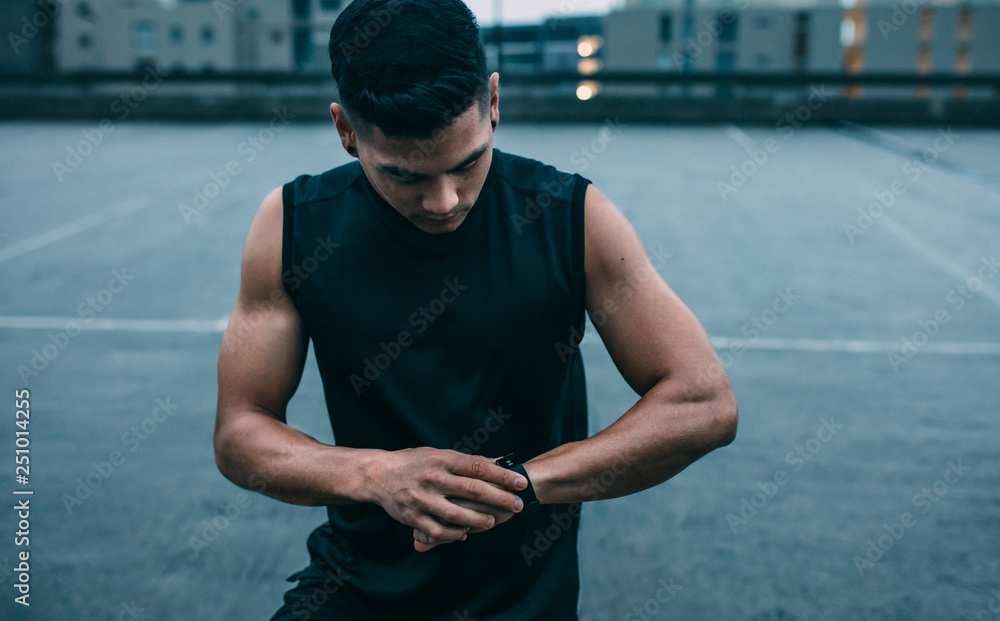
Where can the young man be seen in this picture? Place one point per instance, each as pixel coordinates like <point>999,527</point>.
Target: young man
<point>443,284</point>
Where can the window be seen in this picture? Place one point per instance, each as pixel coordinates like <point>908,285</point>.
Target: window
<point>84,11</point>
<point>801,45</point>
<point>725,61</point>
<point>329,5</point>
<point>207,34</point>
<point>666,28</point>
<point>176,34</point>
<point>144,37</point>
<point>727,24</point>
<point>84,42</point>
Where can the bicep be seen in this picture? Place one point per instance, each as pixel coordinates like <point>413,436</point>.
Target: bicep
<point>648,331</point>
<point>264,347</point>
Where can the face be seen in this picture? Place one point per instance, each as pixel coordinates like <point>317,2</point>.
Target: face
<point>433,182</point>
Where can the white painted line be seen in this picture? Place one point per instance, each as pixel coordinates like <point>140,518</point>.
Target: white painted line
<point>739,136</point>
<point>113,325</point>
<point>719,342</point>
<point>857,346</point>
<point>72,228</point>
<point>936,257</point>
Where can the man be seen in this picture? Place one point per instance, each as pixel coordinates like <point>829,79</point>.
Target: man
<point>443,285</point>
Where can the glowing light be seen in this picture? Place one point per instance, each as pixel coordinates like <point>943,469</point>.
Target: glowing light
<point>587,90</point>
<point>589,66</point>
<point>588,46</point>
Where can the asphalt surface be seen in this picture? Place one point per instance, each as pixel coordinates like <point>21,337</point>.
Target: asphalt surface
<point>864,482</point>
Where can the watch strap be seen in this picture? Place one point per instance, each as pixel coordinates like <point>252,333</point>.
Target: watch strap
<point>527,494</point>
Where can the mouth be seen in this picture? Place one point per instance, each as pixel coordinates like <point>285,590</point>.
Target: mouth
<point>448,220</point>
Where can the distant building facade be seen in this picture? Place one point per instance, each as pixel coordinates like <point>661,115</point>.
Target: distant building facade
<point>195,35</point>
<point>907,36</point>
<point>29,32</point>
<point>557,45</point>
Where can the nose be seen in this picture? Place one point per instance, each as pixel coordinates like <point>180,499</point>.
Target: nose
<point>441,198</point>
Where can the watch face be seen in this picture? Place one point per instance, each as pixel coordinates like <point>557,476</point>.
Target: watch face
<point>506,461</point>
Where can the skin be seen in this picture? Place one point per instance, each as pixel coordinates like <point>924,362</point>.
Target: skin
<point>686,406</point>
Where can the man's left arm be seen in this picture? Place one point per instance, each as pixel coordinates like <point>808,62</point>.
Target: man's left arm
<point>687,406</point>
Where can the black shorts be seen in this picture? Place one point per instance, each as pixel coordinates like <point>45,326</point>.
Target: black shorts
<point>324,592</point>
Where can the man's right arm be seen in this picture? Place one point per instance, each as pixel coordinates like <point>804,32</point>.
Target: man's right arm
<point>260,364</point>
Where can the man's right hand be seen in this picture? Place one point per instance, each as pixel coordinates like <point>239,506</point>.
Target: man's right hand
<point>413,486</point>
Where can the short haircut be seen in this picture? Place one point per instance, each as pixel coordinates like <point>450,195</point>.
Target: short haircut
<point>409,67</point>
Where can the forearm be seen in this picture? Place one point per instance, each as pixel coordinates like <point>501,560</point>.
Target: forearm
<point>260,453</point>
<point>661,435</point>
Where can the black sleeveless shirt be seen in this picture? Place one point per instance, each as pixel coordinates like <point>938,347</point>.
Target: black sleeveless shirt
<point>464,341</point>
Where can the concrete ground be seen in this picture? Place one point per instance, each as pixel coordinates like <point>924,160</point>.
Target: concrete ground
<point>863,342</point>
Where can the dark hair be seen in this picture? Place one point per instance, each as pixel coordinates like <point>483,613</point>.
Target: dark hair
<point>408,67</point>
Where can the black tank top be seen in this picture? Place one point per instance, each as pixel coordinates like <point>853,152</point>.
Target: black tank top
<point>465,341</point>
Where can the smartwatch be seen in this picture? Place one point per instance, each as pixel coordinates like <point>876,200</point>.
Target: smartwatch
<point>527,495</point>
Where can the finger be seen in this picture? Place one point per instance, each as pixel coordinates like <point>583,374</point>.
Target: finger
<point>423,542</point>
<point>436,531</point>
<point>453,514</point>
<point>480,491</point>
<point>422,547</point>
<point>483,468</point>
<point>499,514</point>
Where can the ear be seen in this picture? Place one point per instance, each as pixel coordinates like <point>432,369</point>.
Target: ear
<point>495,100</point>
<point>348,137</point>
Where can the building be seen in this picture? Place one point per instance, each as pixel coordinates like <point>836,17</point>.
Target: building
<point>195,35</point>
<point>29,30</point>
<point>906,36</point>
<point>559,44</point>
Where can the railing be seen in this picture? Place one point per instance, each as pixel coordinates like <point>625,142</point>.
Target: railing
<point>747,79</point>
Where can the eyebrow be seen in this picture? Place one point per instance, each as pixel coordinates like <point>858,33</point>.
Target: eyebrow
<point>402,172</point>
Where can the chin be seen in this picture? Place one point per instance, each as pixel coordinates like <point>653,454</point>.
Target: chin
<point>429,226</point>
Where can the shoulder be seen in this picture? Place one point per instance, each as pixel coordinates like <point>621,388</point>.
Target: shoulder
<point>309,189</point>
<point>615,254</point>
<point>532,177</point>
<point>271,232</point>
